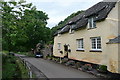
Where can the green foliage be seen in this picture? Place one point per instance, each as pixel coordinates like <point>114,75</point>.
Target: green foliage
<point>23,69</point>
<point>10,68</point>
<point>13,67</point>
<point>87,67</point>
<point>23,26</point>
<point>29,54</point>
<point>78,65</point>
<point>102,68</point>
<point>22,53</point>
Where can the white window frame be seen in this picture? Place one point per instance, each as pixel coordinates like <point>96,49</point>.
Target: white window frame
<point>96,43</point>
<point>80,44</point>
<point>93,23</point>
<point>71,31</point>
<point>59,34</point>
<point>59,46</point>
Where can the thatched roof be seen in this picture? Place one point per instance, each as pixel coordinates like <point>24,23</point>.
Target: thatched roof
<point>99,10</point>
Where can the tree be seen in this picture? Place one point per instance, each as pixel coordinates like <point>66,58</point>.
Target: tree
<point>35,27</point>
<point>23,26</point>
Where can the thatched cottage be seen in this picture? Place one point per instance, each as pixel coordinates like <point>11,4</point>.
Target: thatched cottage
<point>92,36</point>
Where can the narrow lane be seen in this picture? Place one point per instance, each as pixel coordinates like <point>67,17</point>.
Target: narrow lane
<point>54,70</point>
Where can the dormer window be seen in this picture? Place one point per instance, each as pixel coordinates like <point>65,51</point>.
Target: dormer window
<point>91,23</point>
<point>71,27</point>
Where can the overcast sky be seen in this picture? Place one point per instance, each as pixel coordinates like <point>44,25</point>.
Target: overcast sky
<point>58,10</point>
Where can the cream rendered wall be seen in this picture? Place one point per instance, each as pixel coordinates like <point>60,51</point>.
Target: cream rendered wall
<point>119,34</point>
<point>119,17</point>
<point>107,29</point>
<point>113,50</point>
<point>113,58</point>
<point>119,58</point>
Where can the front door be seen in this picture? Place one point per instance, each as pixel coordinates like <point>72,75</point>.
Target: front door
<point>66,51</point>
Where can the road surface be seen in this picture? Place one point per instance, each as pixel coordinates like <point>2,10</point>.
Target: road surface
<point>55,70</point>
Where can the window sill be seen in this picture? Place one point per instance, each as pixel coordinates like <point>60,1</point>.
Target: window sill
<point>80,50</point>
<point>71,32</point>
<point>91,28</point>
<point>95,50</point>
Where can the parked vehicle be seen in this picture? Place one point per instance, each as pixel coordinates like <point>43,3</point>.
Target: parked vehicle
<point>38,55</point>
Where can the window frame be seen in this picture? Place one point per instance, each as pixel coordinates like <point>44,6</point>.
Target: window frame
<point>91,23</point>
<point>80,44</point>
<point>97,42</point>
<point>71,31</point>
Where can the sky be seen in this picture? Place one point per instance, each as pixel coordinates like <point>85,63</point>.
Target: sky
<point>58,10</point>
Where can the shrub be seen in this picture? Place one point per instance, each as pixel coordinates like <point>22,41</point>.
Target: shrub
<point>50,57</point>
<point>102,68</point>
<point>78,65</point>
<point>57,59</point>
<point>64,60</point>
<point>70,63</point>
<point>87,67</point>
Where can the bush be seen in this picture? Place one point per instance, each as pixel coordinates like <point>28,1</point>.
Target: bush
<point>78,65</point>
<point>70,63</point>
<point>64,60</point>
<point>87,67</point>
<point>49,57</point>
<point>56,59</point>
<point>10,68</point>
<point>102,68</point>
<point>4,58</point>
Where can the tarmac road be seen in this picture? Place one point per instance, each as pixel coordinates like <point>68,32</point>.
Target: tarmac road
<point>55,70</point>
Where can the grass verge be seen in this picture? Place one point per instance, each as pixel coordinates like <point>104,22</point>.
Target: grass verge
<point>23,69</point>
<point>12,67</point>
<point>26,53</point>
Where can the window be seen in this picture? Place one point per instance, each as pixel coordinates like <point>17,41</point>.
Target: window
<point>96,43</point>
<point>71,26</point>
<point>80,45</point>
<point>92,23</point>
<point>59,46</point>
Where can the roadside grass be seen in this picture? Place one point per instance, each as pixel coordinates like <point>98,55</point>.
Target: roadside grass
<point>0,65</point>
<point>5,52</point>
<point>26,53</point>
<point>12,67</point>
<point>29,54</point>
<point>23,69</point>
<point>22,53</point>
